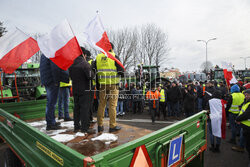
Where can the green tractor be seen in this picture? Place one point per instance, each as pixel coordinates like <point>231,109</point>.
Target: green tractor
<point>24,83</point>
<point>244,75</point>
<point>148,75</point>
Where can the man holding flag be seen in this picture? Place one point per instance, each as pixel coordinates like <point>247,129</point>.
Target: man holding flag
<point>108,79</point>
<point>108,67</point>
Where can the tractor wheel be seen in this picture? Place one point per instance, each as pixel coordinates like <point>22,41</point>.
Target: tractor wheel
<point>11,160</point>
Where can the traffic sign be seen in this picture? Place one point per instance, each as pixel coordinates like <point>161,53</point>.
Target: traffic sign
<point>141,158</point>
<point>175,147</point>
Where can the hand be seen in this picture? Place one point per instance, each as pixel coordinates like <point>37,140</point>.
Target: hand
<point>237,122</point>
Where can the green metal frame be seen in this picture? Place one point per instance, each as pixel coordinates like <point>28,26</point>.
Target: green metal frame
<point>24,139</point>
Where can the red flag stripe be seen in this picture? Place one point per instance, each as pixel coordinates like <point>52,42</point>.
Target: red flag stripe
<point>18,55</point>
<point>223,121</point>
<point>65,56</point>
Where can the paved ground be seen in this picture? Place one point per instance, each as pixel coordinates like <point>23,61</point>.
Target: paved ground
<point>226,158</point>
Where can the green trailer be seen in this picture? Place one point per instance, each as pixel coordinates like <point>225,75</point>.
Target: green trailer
<point>184,140</point>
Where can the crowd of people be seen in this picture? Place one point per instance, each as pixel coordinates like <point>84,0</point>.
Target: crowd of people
<point>96,87</point>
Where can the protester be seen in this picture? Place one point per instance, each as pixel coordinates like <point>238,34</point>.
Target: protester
<point>92,87</point>
<point>244,120</point>
<point>162,104</point>
<point>81,74</point>
<point>152,98</point>
<point>51,75</point>
<point>63,101</point>
<point>119,108</point>
<point>189,101</point>
<point>235,100</point>
<point>108,73</point>
<point>215,121</point>
<point>199,95</point>
<point>174,96</point>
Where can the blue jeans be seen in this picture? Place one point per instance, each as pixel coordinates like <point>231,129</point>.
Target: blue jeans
<point>175,108</point>
<point>235,129</point>
<point>211,136</point>
<point>52,94</point>
<point>119,105</point>
<point>63,102</point>
<point>199,103</point>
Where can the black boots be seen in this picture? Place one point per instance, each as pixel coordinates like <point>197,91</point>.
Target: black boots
<point>215,149</point>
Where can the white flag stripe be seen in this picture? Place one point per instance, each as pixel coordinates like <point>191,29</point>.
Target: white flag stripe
<point>10,40</point>
<point>216,116</point>
<point>94,31</point>
<point>47,42</point>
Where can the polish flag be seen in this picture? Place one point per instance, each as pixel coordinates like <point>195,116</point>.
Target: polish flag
<point>228,74</point>
<point>218,117</point>
<point>60,45</point>
<point>15,49</point>
<point>97,38</point>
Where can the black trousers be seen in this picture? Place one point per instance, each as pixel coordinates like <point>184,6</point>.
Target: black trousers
<point>81,111</point>
<point>162,109</point>
<point>152,111</point>
<point>247,139</point>
<point>91,108</point>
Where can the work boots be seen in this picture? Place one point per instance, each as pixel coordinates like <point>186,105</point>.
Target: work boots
<point>217,148</point>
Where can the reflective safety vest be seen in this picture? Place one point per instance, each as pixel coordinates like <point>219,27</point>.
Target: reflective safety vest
<point>203,89</point>
<point>243,109</point>
<point>63,84</point>
<point>152,96</point>
<point>106,70</point>
<point>238,99</point>
<point>93,81</point>
<point>162,98</point>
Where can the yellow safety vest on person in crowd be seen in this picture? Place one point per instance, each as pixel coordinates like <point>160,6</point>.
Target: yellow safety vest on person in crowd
<point>106,70</point>
<point>63,84</point>
<point>162,98</point>
<point>237,100</point>
<point>93,81</point>
<point>243,109</point>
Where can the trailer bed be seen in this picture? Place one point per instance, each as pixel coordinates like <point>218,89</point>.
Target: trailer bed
<point>90,145</point>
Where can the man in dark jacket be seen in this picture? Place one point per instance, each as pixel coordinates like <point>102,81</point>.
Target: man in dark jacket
<point>189,100</point>
<point>51,75</point>
<point>244,119</point>
<point>81,74</point>
<point>174,95</point>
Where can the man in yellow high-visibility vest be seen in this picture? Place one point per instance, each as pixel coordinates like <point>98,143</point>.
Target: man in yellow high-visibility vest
<point>108,78</point>
<point>162,103</point>
<point>244,119</point>
<point>63,101</point>
<point>235,100</point>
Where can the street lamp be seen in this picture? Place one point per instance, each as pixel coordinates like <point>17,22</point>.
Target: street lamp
<point>245,60</point>
<point>206,42</point>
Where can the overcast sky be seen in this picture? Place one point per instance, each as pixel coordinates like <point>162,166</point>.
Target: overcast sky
<point>185,21</point>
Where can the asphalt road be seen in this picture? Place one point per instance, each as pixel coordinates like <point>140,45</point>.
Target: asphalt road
<point>226,158</point>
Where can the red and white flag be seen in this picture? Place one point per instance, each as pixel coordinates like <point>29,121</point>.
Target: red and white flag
<point>228,74</point>
<point>60,45</point>
<point>15,49</point>
<point>97,38</point>
<point>218,117</point>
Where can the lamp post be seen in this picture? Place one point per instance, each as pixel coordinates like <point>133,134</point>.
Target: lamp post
<point>245,61</point>
<point>206,42</point>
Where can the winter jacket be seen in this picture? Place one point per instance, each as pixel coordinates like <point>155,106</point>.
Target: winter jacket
<point>244,116</point>
<point>174,94</point>
<point>81,75</point>
<point>51,74</point>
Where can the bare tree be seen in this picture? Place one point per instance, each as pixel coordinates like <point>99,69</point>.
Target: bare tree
<point>153,45</point>
<point>2,29</point>
<point>209,66</point>
<point>125,45</point>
